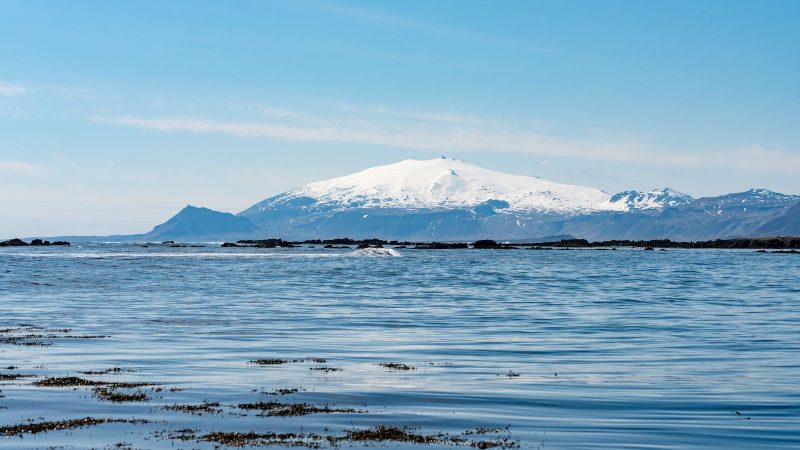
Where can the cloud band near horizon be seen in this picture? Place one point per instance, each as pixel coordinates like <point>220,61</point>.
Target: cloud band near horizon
<point>469,135</point>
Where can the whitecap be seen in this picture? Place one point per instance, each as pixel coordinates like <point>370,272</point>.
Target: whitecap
<point>375,252</point>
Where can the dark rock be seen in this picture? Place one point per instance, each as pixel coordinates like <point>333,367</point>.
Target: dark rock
<point>490,244</point>
<point>740,243</point>
<point>440,246</point>
<point>35,242</point>
<point>267,243</point>
<point>229,244</point>
<point>348,241</point>
<point>13,243</point>
<point>568,243</point>
<point>649,248</point>
<point>485,243</point>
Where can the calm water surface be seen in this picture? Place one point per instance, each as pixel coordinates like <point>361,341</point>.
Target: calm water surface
<point>568,349</point>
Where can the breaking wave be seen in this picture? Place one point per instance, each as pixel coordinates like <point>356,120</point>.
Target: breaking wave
<point>376,252</point>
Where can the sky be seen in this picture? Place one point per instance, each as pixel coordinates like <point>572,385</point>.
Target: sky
<point>115,115</point>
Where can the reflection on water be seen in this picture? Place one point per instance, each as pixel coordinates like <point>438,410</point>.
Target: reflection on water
<point>557,349</point>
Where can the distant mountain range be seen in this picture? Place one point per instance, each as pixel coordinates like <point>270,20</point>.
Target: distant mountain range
<point>448,200</point>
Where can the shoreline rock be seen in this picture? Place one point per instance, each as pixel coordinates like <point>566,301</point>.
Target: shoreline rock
<point>776,243</point>
<point>17,242</point>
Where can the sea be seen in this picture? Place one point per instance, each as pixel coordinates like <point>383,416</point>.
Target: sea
<point>213,347</point>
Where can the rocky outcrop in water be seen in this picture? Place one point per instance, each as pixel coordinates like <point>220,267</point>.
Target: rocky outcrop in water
<point>778,243</point>
<point>490,244</point>
<point>16,242</point>
<point>13,243</point>
<point>266,243</point>
<point>441,246</point>
<point>753,243</point>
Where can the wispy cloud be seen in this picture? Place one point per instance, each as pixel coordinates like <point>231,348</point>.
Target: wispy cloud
<point>10,90</point>
<point>449,133</point>
<point>20,167</point>
<point>381,18</point>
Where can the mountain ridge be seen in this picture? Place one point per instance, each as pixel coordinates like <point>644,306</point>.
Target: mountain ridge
<point>393,202</point>
<point>448,200</point>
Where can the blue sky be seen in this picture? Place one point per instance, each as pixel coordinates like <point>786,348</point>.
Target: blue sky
<point>114,115</point>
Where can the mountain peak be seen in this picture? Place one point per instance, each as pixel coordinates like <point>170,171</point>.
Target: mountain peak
<point>192,208</point>
<point>656,199</point>
<point>195,222</point>
<point>762,191</point>
<point>442,183</point>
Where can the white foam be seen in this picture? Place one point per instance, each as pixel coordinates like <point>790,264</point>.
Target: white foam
<point>375,252</point>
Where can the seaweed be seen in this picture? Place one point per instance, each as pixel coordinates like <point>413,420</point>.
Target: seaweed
<point>270,362</point>
<point>198,409</point>
<point>15,376</point>
<point>391,433</point>
<point>40,427</point>
<point>252,439</point>
<point>326,369</point>
<point>396,366</point>
<point>107,371</point>
<point>282,391</point>
<point>75,382</point>
<point>115,396</point>
<point>279,409</point>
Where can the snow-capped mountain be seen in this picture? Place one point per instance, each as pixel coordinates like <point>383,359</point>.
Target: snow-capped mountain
<point>655,199</point>
<point>450,200</point>
<point>441,184</point>
<point>750,198</point>
<point>447,199</point>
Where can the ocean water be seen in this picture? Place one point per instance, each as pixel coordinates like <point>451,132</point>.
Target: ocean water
<point>548,349</point>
